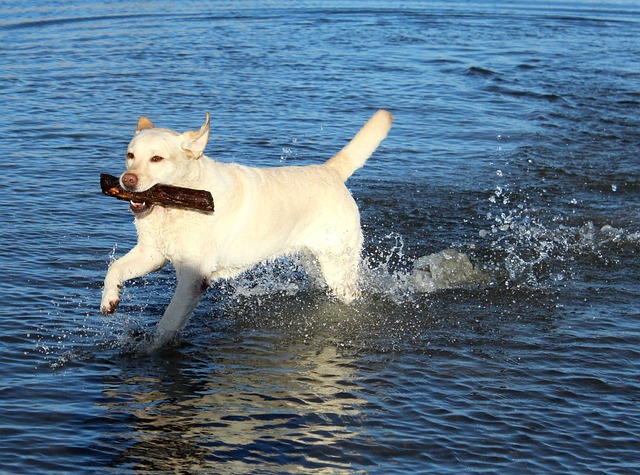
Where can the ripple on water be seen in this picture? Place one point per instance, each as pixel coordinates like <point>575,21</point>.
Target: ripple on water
<point>508,147</point>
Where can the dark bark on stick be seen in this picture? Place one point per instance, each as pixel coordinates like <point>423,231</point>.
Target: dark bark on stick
<point>163,195</point>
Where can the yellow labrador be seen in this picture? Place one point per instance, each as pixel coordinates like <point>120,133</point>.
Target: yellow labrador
<point>261,214</point>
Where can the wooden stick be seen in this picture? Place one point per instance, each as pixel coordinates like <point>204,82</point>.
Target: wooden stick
<point>163,195</point>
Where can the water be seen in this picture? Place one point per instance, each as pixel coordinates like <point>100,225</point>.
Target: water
<point>515,143</point>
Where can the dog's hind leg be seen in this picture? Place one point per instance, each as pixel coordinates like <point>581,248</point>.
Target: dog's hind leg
<point>341,273</point>
<point>192,283</point>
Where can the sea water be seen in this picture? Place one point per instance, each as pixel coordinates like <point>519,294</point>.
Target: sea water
<point>498,330</point>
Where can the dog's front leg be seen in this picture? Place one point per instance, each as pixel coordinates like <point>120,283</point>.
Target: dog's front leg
<point>192,283</point>
<point>137,262</point>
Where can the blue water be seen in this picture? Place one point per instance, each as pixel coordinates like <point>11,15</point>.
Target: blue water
<point>515,142</point>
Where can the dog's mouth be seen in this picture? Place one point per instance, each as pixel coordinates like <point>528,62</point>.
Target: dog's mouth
<point>140,207</point>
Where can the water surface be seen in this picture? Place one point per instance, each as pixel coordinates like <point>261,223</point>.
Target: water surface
<point>515,142</point>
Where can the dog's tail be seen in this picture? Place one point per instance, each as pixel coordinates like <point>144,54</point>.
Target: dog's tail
<point>356,152</point>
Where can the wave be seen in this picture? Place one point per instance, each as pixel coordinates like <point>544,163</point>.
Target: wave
<point>45,22</point>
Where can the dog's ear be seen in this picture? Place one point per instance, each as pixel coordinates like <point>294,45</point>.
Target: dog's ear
<point>195,142</point>
<point>144,123</point>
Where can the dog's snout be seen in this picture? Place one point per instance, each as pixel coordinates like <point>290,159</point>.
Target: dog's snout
<point>130,181</point>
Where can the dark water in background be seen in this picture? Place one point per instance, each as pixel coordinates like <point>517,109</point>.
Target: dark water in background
<point>515,141</point>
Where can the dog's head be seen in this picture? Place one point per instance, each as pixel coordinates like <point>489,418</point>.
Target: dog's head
<point>157,155</point>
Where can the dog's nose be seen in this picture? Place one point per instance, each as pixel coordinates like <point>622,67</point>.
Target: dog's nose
<point>130,181</point>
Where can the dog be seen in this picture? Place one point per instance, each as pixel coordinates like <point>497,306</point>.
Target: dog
<point>260,214</point>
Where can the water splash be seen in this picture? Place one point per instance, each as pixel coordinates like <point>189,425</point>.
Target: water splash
<point>447,269</point>
<point>388,272</point>
<point>525,246</point>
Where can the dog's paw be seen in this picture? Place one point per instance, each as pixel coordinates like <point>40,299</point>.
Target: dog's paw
<point>109,307</point>
<point>110,299</point>
<point>110,302</point>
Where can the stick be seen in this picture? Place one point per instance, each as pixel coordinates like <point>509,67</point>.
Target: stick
<point>164,195</point>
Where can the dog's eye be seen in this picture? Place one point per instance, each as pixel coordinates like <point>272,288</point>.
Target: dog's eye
<point>157,158</point>
<point>129,156</point>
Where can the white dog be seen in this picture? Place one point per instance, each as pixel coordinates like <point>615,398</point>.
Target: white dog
<point>260,214</point>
